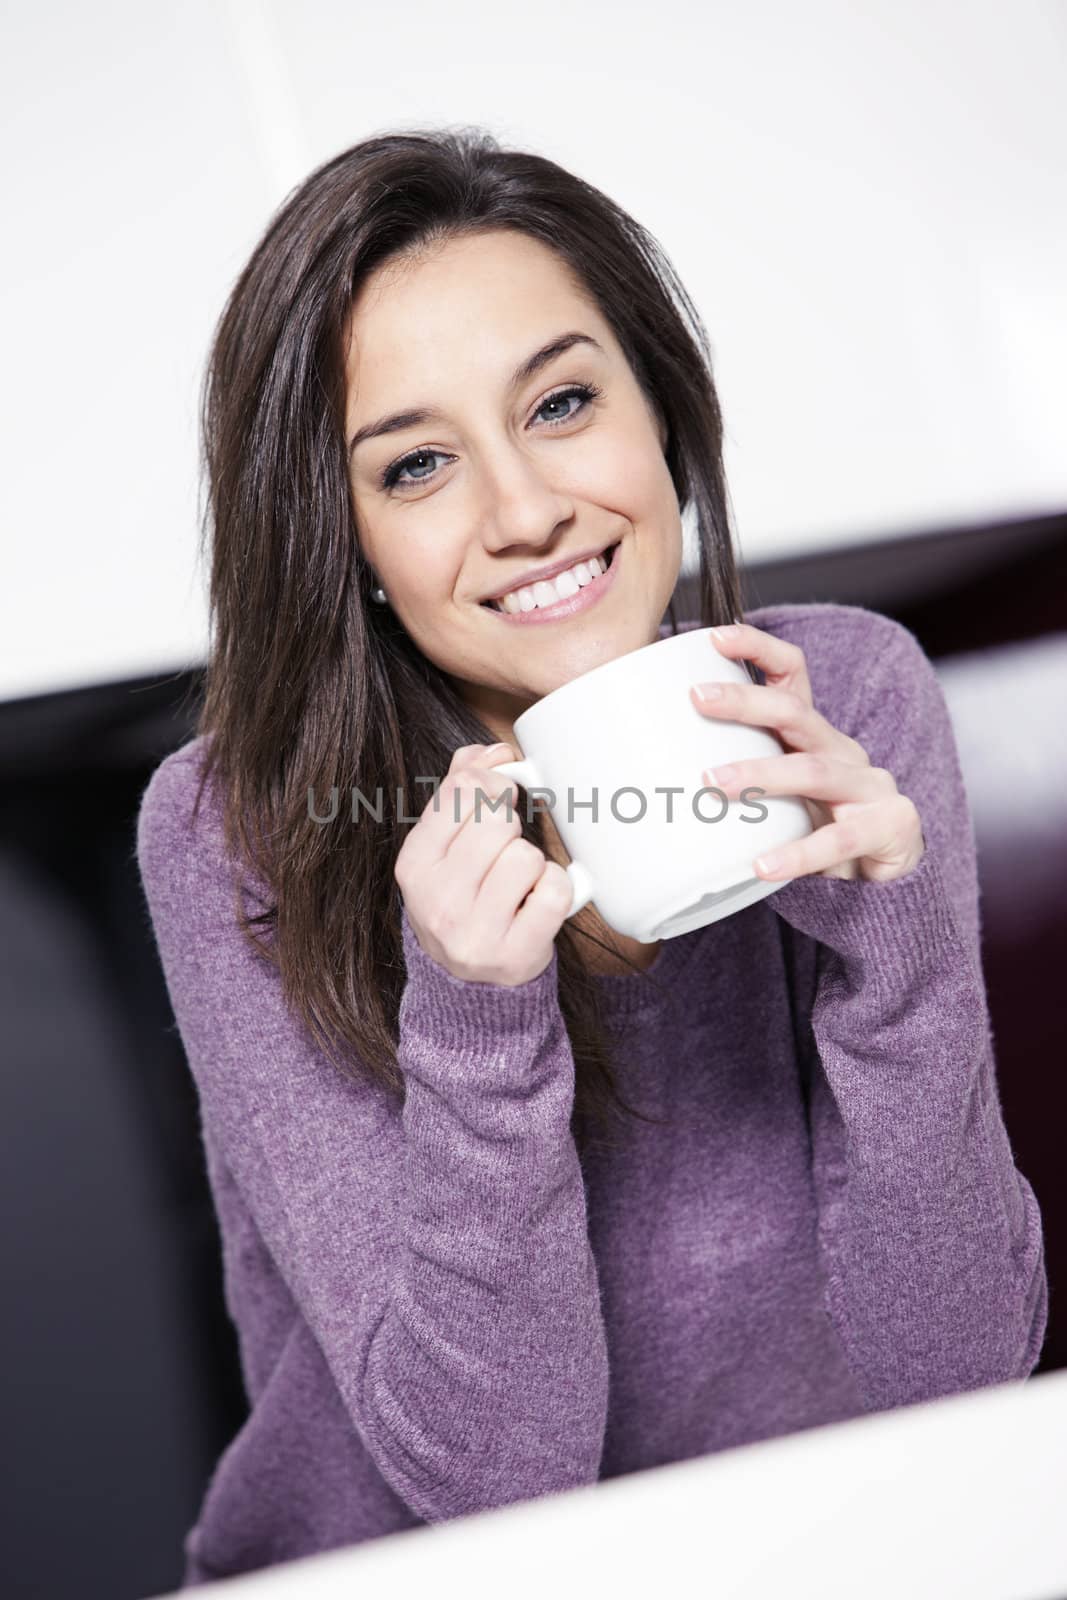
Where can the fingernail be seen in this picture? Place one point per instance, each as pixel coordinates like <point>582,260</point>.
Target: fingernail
<point>726,630</point>
<point>723,774</point>
<point>769,863</point>
<point>708,691</point>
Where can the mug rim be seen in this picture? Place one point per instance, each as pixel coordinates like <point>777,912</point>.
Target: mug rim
<point>605,666</point>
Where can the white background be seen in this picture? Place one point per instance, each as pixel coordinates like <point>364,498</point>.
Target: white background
<point>868,204</point>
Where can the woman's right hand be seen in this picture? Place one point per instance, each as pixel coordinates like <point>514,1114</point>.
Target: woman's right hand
<point>483,902</point>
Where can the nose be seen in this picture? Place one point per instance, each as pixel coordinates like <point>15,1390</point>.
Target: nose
<point>522,507</point>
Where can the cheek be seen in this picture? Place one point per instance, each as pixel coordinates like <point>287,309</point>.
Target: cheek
<point>627,473</point>
<point>413,564</point>
<point>426,568</point>
<point>423,578</point>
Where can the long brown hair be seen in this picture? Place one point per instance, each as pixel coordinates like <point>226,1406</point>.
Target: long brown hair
<point>309,685</point>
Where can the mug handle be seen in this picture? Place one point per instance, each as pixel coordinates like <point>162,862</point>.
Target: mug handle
<point>525,773</point>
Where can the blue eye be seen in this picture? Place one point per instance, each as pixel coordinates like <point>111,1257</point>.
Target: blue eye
<point>583,392</point>
<point>392,474</point>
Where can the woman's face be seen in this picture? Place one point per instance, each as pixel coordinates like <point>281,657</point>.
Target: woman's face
<point>504,475</point>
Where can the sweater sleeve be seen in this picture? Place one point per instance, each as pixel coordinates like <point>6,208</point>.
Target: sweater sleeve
<point>439,1250</point>
<point>931,1240</point>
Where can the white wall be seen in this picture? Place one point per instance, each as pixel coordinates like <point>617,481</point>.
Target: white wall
<point>867,203</point>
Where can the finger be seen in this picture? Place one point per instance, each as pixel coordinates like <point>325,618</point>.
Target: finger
<point>545,907</point>
<point>487,825</point>
<point>510,876</point>
<point>446,813</point>
<point>468,760</point>
<point>868,830</point>
<point>469,755</point>
<point>783,664</point>
<point>782,710</point>
<point>479,796</point>
<point>811,775</point>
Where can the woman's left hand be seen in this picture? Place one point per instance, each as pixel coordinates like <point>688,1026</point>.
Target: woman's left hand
<point>864,828</point>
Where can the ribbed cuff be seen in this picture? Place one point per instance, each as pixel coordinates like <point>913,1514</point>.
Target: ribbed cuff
<point>466,1016</point>
<point>900,930</point>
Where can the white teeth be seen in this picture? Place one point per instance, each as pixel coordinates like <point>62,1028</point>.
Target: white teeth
<point>548,590</point>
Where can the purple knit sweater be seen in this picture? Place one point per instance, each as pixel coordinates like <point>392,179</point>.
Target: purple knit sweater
<point>443,1309</point>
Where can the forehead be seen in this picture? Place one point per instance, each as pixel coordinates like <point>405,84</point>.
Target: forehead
<point>491,294</point>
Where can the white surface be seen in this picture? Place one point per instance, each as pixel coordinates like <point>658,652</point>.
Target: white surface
<point>868,205</point>
<point>1006,706</point>
<point>1007,710</point>
<point>961,1499</point>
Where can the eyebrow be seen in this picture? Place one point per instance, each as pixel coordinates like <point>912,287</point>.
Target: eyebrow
<point>413,419</point>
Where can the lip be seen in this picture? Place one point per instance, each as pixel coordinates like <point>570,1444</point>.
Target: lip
<point>587,596</point>
<point>538,574</point>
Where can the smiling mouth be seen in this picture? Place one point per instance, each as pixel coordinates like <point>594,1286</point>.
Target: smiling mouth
<point>607,555</point>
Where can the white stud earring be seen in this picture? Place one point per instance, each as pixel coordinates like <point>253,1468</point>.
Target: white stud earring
<point>378,595</point>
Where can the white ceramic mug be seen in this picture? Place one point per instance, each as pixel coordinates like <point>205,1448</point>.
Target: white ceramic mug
<point>656,865</point>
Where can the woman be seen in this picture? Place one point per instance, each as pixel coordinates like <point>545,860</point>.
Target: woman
<point>447,367</point>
